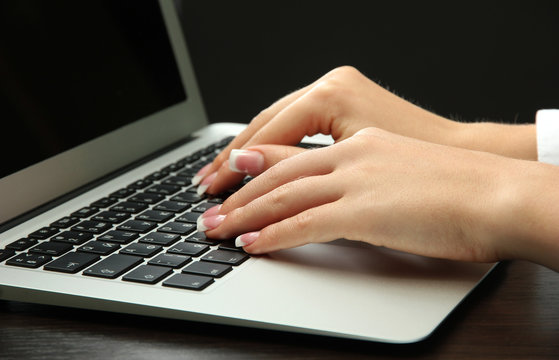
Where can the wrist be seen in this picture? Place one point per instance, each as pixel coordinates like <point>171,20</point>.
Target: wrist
<point>529,208</point>
<point>515,141</point>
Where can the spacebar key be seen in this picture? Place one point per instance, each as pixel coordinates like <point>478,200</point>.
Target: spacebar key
<point>113,266</point>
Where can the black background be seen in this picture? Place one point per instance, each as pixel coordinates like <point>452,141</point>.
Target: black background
<point>492,60</point>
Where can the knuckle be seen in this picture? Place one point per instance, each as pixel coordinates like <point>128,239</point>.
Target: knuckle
<point>262,117</point>
<point>302,221</point>
<point>370,131</point>
<point>278,196</point>
<point>344,71</point>
<point>334,89</point>
<point>274,172</point>
<point>329,95</point>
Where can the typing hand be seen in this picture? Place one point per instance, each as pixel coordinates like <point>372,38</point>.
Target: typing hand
<point>339,104</point>
<point>377,187</point>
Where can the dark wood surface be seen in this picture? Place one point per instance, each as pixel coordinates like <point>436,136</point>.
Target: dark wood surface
<point>514,314</point>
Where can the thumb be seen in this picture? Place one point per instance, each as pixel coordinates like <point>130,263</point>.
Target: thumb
<point>255,160</point>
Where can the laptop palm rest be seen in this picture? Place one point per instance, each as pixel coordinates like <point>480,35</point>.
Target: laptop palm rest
<point>368,292</point>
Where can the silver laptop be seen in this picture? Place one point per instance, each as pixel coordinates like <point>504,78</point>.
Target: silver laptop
<point>97,211</point>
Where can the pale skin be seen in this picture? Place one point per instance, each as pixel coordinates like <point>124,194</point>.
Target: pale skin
<point>398,176</point>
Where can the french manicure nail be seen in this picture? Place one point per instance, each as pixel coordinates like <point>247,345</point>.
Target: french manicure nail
<point>200,174</point>
<point>246,239</point>
<point>209,223</point>
<point>246,161</point>
<point>206,183</point>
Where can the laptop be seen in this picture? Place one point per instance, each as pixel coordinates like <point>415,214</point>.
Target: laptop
<point>103,128</point>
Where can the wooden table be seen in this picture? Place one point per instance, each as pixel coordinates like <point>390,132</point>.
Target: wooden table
<point>514,314</point>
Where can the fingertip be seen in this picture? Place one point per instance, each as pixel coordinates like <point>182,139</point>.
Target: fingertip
<point>206,183</point>
<point>244,161</point>
<point>196,179</point>
<point>225,179</point>
<point>247,239</point>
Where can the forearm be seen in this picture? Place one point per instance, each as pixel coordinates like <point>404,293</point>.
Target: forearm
<point>531,210</point>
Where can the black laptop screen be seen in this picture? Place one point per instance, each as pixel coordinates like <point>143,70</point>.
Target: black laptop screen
<point>74,70</point>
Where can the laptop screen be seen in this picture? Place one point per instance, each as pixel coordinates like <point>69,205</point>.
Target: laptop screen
<point>71,71</point>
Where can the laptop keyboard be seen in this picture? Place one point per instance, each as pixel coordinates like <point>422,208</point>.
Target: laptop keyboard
<point>144,233</point>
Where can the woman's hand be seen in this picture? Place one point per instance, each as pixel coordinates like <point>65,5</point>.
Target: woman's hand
<point>381,188</point>
<point>339,104</point>
<point>343,102</point>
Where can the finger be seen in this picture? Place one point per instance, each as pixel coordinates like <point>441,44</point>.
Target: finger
<point>281,203</point>
<point>318,224</point>
<point>307,115</point>
<point>305,164</point>
<point>241,139</point>
<point>253,162</point>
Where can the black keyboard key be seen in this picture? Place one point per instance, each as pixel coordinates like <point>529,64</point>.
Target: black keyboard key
<point>129,207</point>
<point>122,193</point>
<point>174,261</point>
<point>140,184</point>
<point>203,207</point>
<point>141,249</point>
<point>163,189</point>
<point>72,262</point>
<point>173,167</point>
<point>147,274</point>
<point>113,217</point>
<point>224,142</point>
<point>226,257</point>
<point>191,249</point>
<point>137,226</point>
<point>113,266</point>
<point>29,260</point>
<point>147,198</point>
<point>200,237</point>
<point>66,222</point>
<point>22,244</point>
<point>6,254</point>
<point>189,172</point>
<point>160,238</point>
<point>189,197</point>
<point>178,181</point>
<point>216,200</point>
<point>189,217</point>
<point>173,206</point>
<point>207,268</point>
<point>104,202</point>
<point>85,212</point>
<point>187,281</point>
<point>229,245</point>
<point>51,248</point>
<point>72,237</point>
<point>154,215</point>
<point>158,175</point>
<point>177,228</point>
<point>44,233</point>
<point>119,236</point>
<point>99,247</point>
<point>94,227</point>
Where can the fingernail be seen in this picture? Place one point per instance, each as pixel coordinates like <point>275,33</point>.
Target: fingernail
<point>209,223</point>
<point>246,161</point>
<point>200,174</point>
<point>212,211</point>
<point>206,183</point>
<point>246,239</point>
